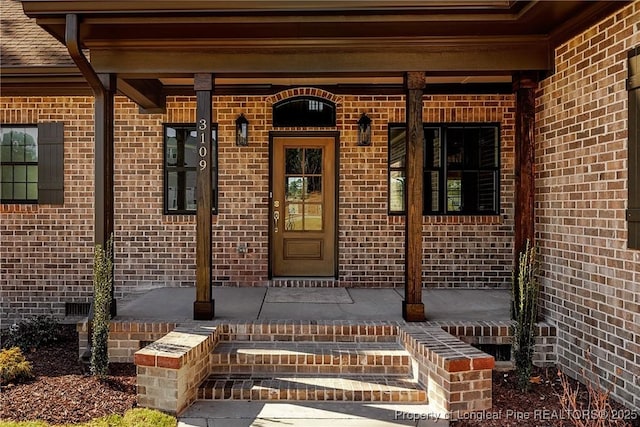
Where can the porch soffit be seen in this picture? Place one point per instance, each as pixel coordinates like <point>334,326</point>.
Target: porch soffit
<point>346,35</point>
<point>263,46</point>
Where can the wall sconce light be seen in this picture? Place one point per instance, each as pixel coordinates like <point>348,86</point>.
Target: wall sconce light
<point>242,131</point>
<point>364,130</point>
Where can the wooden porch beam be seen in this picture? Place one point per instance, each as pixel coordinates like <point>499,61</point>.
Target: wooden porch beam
<point>412,306</point>
<point>147,93</point>
<point>524,86</point>
<point>203,307</point>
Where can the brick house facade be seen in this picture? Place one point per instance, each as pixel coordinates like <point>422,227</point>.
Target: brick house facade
<point>590,278</point>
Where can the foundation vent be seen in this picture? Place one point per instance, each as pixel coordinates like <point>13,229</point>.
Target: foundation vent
<point>76,309</point>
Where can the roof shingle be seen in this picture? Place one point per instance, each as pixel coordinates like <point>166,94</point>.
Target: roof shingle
<point>24,44</point>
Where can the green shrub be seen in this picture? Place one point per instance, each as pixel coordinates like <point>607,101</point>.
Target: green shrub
<point>102,284</point>
<point>525,294</point>
<point>13,366</point>
<point>35,332</point>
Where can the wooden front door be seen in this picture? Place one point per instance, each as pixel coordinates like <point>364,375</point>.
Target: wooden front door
<point>303,206</point>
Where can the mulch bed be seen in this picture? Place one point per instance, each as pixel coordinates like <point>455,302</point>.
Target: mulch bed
<point>62,393</point>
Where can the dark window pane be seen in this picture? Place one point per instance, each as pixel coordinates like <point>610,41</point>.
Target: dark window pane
<point>5,140</point>
<point>20,173</point>
<point>190,193</point>
<point>432,148</point>
<point>6,190</point>
<point>32,191</point>
<point>304,111</point>
<point>17,154</point>
<point>431,192</point>
<point>488,147</point>
<point>470,192</point>
<point>454,191</point>
<point>455,148</point>
<point>32,174</point>
<point>191,156</point>
<point>313,161</point>
<point>294,160</point>
<point>5,153</point>
<point>172,191</point>
<point>470,151</point>
<point>397,147</point>
<point>7,173</point>
<point>396,191</point>
<point>20,191</point>
<point>487,191</point>
<point>182,159</point>
<point>171,148</point>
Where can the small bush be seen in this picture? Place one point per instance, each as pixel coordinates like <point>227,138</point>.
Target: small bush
<point>596,410</point>
<point>525,293</point>
<point>13,366</point>
<point>32,333</point>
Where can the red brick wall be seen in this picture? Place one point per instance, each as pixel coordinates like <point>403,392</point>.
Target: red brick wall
<point>47,250</point>
<point>591,281</point>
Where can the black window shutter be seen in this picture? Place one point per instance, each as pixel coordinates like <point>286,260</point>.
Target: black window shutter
<point>633,213</point>
<point>51,163</point>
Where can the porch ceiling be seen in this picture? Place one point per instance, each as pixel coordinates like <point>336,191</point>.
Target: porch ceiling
<point>346,36</point>
<point>253,46</point>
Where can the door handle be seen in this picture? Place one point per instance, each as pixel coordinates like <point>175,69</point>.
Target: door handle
<point>276,217</point>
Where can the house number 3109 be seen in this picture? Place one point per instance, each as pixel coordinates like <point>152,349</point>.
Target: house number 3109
<point>202,151</point>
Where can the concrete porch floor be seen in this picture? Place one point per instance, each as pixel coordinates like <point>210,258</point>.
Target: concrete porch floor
<point>380,304</point>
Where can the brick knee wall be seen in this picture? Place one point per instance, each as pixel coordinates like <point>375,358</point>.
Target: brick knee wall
<point>456,375</point>
<point>170,370</point>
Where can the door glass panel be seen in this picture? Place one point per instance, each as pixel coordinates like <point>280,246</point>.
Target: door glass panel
<point>313,161</point>
<point>312,216</point>
<point>313,189</point>
<point>294,160</point>
<point>295,188</point>
<point>303,189</point>
<point>293,217</point>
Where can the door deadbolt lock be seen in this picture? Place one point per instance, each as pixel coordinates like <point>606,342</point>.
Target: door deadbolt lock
<point>276,204</point>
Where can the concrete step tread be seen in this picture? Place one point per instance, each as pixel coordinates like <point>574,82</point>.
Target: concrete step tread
<point>309,353</point>
<point>310,358</point>
<point>312,387</point>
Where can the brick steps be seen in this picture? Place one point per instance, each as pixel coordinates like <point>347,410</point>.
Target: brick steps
<point>310,358</point>
<point>317,388</point>
<point>355,370</point>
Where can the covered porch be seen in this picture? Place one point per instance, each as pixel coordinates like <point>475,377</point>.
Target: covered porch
<point>150,51</point>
